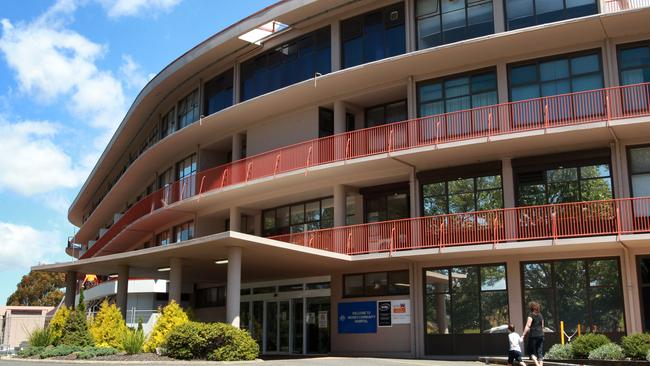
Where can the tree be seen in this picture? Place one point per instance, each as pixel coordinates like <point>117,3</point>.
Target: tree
<point>38,289</point>
<point>58,321</point>
<point>169,317</point>
<point>108,327</point>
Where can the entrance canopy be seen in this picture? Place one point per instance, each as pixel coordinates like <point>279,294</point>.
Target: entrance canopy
<point>262,260</point>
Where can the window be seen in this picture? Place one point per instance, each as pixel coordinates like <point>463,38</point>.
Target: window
<point>163,239</point>
<point>554,76</point>
<point>526,13</point>
<point>376,284</point>
<point>465,300</point>
<point>325,122</point>
<point>451,191</point>
<point>166,178</point>
<point>586,292</point>
<point>210,297</point>
<point>386,113</point>
<point>445,21</point>
<point>643,270</point>
<point>218,93</point>
<point>186,174</point>
<point>167,124</point>
<point>634,64</point>
<point>456,93</point>
<point>184,232</point>
<point>373,36</point>
<point>188,109</point>
<point>557,179</point>
<point>287,64</point>
<point>639,167</point>
<point>299,217</point>
<point>386,203</point>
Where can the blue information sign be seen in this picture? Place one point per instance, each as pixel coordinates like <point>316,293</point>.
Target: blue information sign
<point>358,317</point>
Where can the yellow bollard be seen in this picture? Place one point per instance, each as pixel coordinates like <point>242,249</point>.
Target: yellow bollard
<point>578,329</point>
<point>562,331</point>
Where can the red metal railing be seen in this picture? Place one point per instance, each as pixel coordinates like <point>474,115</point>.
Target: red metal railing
<point>568,220</point>
<point>483,122</point>
<point>612,6</point>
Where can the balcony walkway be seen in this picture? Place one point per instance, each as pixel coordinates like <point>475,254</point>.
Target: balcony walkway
<point>601,105</point>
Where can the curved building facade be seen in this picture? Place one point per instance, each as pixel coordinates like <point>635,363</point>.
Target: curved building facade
<point>389,177</point>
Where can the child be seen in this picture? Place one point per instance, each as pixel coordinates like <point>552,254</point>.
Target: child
<point>514,352</point>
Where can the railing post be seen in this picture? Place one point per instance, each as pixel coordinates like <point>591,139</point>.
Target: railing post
<point>390,140</point>
<point>277,164</point>
<point>201,185</point>
<point>311,149</point>
<point>347,148</point>
<point>545,113</point>
<point>495,235</point>
<point>489,125</point>
<point>442,235</point>
<point>223,177</point>
<point>554,226</point>
<point>608,106</point>
<point>437,133</point>
<point>392,241</point>
<point>618,222</point>
<point>348,248</point>
<point>248,170</point>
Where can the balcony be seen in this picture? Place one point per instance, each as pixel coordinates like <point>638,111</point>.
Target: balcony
<point>558,221</point>
<point>541,114</point>
<point>612,6</point>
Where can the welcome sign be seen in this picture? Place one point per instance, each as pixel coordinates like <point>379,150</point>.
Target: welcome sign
<point>357,317</point>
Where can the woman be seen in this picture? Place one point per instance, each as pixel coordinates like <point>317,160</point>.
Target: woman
<point>535,325</point>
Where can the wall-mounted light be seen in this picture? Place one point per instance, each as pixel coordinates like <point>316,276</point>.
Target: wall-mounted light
<point>164,269</point>
<point>221,261</point>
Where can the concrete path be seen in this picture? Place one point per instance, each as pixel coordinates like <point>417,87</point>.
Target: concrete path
<point>320,361</point>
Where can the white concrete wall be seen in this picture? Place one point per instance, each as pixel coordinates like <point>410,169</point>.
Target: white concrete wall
<point>280,131</point>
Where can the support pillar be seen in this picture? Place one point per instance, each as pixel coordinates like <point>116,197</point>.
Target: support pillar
<point>235,219</point>
<point>236,147</point>
<point>499,16</point>
<point>339,205</point>
<point>233,286</point>
<point>175,280</point>
<point>122,290</point>
<point>508,182</point>
<point>515,307</point>
<point>339,117</point>
<point>70,288</point>
<point>335,36</point>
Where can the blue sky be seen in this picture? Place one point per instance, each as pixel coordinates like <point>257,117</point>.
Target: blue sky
<point>69,70</point>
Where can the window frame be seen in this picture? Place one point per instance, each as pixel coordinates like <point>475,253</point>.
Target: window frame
<point>187,226</point>
<point>587,287</point>
<point>628,153</point>
<point>222,82</point>
<point>364,284</point>
<point>535,15</point>
<point>383,192</point>
<point>188,107</point>
<point>384,106</point>
<point>279,230</point>
<point>202,301</point>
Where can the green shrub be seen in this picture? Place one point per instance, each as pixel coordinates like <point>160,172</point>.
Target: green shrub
<point>609,351</point>
<point>170,316</point>
<point>636,345</point>
<point>92,352</point>
<point>584,344</point>
<point>647,356</point>
<point>75,330</point>
<point>57,323</point>
<point>41,337</point>
<point>560,352</point>
<point>30,351</point>
<point>238,345</point>
<point>59,351</point>
<point>214,341</point>
<point>108,327</point>
<point>133,340</point>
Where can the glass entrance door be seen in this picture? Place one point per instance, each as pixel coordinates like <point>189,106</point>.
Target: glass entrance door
<point>318,325</point>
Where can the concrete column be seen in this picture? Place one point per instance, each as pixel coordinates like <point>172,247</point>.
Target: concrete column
<point>514,295</point>
<point>233,286</point>
<point>339,205</point>
<point>508,182</point>
<point>236,147</point>
<point>414,194</point>
<point>235,219</point>
<point>236,84</point>
<point>175,280</point>
<point>122,289</point>
<point>409,23</point>
<point>258,224</point>
<point>499,16</point>
<point>335,29</point>
<point>411,99</point>
<point>630,296</point>
<point>70,288</point>
<point>339,117</point>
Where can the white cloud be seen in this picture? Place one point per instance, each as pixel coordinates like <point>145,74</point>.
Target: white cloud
<point>132,73</point>
<point>52,61</point>
<point>23,246</point>
<point>120,8</point>
<point>31,163</point>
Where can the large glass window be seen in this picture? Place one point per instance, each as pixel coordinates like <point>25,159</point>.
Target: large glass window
<point>373,36</point>
<point>634,64</point>
<point>218,93</point>
<point>184,231</point>
<point>639,167</point>
<point>464,194</point>
<point>457,92</point>
<point>585,292</point>
<point>167,124</point>
<point>558,181</point>
<point>163,238</point>
<point>299,217</point>
<point>212,297</point>
<point>376,284</point>
<point>188,109</point>
<point>526,13</point>
<point>186,174</point>
<point>386,113</point>
<point>287,64</point>
<point>643,270</point>
<point>391,203</point>
<point>444,21</point>
<point>465,299</point>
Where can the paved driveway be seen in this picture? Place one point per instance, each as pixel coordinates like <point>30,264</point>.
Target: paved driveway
<point>321,361</point>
